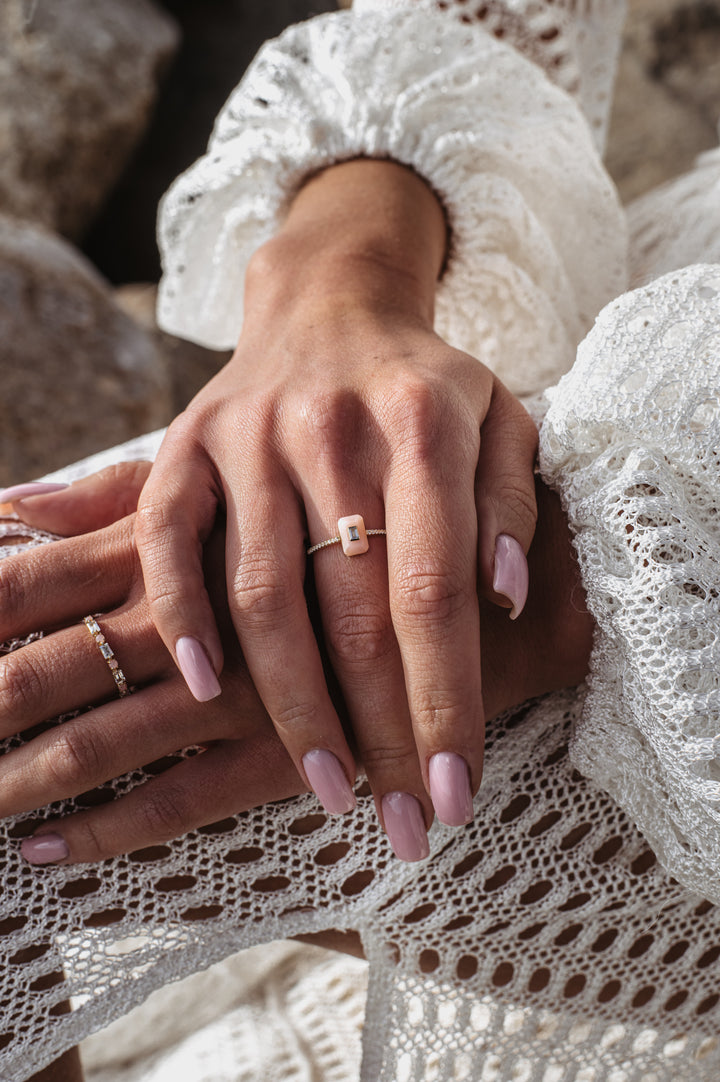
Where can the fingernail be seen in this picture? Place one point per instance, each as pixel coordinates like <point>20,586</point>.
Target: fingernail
<point>405,826</point>
<point>195,666</point>
<point>328,781</point>
<point>31,488</point>
<point>511,573</point>
<point>450,788</point>
<point>44,849</point>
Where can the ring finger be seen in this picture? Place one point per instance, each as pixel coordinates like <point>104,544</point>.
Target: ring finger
<point>67,669</point>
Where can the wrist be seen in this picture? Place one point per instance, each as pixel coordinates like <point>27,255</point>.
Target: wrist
<point>366,234</point>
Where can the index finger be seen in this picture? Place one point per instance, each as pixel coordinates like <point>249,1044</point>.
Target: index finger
<point>432,554</point>
<point>175,515</point>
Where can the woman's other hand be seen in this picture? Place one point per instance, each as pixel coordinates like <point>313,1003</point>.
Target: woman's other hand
<point>87,505</point>
<point>341,400</point>
<point>244,763</point>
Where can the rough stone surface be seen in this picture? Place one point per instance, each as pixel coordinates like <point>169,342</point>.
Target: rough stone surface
<point>76,373</point>
<point>219,39</point>
<point>78,80</point>
<point>667,97</point>
<point>188,365</point>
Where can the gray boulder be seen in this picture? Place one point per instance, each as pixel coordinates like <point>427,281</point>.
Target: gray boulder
<point>189,366</point>
<point>78,81</point>
<point>76,373</point>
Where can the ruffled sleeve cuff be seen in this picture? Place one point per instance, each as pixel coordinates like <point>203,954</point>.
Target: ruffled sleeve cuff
<point>631,441</point>
<point>538,237</point>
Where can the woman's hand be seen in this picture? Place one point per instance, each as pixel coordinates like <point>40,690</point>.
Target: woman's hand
<point>245,763</point>
<point>341,400</point>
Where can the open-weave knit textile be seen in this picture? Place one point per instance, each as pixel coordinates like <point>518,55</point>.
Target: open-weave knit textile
<point>632,437</point>
<point>544,937</point>
<point>538,236</point>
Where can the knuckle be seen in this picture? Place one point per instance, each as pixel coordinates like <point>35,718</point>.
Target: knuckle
<point>414,411</point>
<point>21,686</point>
<point>12,592</point>
<point>516,507</point>
<point>73,760</point>
<point>292,715</point>
<point>428,595</point>
<point>164,600</point>
<point>88,841</point>
<point>357,638</point>
<point>434,712</point>
<point>388,759</point>
<point>261,592</point>
<point>154,517</point>
<point>431,426</point>
<point>330,418</point>
<point>161,816</point>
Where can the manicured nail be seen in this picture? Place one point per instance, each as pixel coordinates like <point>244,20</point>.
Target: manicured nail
<point>195,666</point>
<point>328,781</point>
<point>511,573</point>
<point>450,788</point>
<point>31,488</point>
<point>44,849</point>
<point>405,826</point>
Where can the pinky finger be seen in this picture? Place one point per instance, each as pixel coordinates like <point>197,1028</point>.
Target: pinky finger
<point>231,777</point>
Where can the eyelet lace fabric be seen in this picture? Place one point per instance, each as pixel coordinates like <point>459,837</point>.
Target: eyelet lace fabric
<point>576,42</point>
<point>538,236</point>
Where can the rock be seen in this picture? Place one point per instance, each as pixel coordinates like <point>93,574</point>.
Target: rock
<point>219,40</point>
<point>78,81</point>
<point>667,94</point>
<point>189,366</point>
<point>688,56</point>
<point>76,373</point>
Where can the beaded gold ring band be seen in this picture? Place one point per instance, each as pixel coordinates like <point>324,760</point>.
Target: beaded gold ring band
<point>351,534</point>
<point>106,650</point>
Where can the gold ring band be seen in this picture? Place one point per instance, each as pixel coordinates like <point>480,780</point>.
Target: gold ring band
<point>106,650</point>
<point>351,534</point>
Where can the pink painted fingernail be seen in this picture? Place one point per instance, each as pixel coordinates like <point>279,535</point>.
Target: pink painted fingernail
<point>31,488</point>
<point>450,788</point>
<point>405,826</point>
<point>44,849</point>
<point>328,781</point>
<point>195,666</point>
<point>511,573</point>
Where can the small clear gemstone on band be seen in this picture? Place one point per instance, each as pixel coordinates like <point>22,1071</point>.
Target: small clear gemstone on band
<point>106,650</point>
<point>353,533</point>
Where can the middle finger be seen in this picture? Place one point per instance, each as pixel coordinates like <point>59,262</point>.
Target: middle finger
<point>353,598</point>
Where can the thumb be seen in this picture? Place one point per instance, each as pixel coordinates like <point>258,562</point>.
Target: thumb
<point>84,506</point>
<point>505,500</point>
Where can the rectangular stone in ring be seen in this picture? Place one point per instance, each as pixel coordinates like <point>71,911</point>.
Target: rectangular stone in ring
<point>352,535</point>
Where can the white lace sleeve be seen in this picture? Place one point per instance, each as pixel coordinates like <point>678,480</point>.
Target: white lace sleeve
<point>538,234</point>
<point>631,439</point>
<point>576,41</point>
